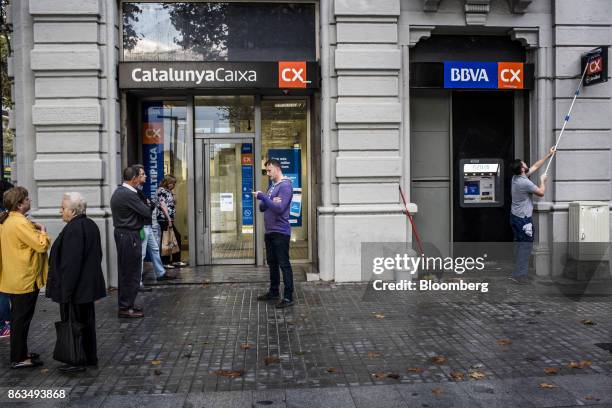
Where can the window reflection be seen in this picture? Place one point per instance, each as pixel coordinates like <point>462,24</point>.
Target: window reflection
<point>224,114</point>
<point>207,31</point>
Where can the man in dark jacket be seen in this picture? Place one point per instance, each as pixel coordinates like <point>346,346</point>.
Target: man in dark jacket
<point>75,278</point>
<point>275,204</point>
<point>129,213</point>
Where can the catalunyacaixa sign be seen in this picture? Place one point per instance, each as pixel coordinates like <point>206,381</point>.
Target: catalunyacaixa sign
<point>277,74</point>
<point>471,75</point>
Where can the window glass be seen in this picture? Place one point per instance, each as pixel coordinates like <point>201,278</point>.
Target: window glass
<point>224,114</point>
<point>284,135</point>
<point>207,31</point>
<point>164,152</point>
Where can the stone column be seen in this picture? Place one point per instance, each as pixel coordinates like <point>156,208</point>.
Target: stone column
<point>72,59</point>
<point>367,166</point>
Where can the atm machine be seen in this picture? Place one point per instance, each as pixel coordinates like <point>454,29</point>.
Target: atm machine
<point>481,183</point>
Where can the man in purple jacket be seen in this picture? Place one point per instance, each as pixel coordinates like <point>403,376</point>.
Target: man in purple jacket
<point>275,206</point>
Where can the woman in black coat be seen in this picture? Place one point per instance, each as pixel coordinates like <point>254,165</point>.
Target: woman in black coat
<point>75,272</point>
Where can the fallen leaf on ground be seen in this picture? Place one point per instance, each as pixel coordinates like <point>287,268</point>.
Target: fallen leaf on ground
<point>156,362</point>
<point>44,370</point>
<point>373,354</point>
<point>478,375</point>
<point>504,342</point>
<point>246,346</point>
<point>300,353</point>
<point>439,359</point>
<point>230,373</point>
<point>588,322</point>
<point>157,371</point>
<point>332,370</point>
<point>437,391</point>
<point>546,385</point>
<point>551,371</point>
<point>457,376</point>
<point>591,398</point>
<point>379,316</point>
<point>579,364</point>
<point>380,376</point>
<point>415,370</point>
<point>395,376</point>
<point>271,360</point>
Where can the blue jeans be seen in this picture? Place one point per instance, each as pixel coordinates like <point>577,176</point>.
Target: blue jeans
<point>523,232</point>
<point>5,309</point>
<point>150,246</point>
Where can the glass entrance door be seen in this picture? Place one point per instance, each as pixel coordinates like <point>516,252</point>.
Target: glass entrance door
<point>225,205</point>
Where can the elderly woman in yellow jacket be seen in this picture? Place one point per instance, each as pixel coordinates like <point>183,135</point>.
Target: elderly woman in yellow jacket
<point>23,270</point>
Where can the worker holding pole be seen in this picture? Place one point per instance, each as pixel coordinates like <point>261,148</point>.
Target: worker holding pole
<point>522,207</point>
<point>521,212</point>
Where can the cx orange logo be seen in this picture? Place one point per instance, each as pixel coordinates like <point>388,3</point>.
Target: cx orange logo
<point>510,75</point>
<point>153,133</point>
<point>595,66</point>
<point>292,74</point>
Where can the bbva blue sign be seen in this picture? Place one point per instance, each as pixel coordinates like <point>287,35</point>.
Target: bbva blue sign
<point>470,74</point>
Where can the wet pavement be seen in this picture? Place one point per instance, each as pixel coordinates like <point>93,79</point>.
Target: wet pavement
<point>213,344</point>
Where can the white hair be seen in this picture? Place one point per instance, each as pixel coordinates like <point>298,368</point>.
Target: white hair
<point>76,202</point>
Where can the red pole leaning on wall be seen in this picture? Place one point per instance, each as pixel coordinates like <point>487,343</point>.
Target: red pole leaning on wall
<point>414,228</point>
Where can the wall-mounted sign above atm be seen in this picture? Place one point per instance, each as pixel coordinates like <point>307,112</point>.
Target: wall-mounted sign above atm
<point>197,75</point>
<point>471,75</point>
<point>481,183</point>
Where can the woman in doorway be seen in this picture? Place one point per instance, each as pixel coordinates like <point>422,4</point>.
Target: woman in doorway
<point>23,270</point>
<point>167,207</point>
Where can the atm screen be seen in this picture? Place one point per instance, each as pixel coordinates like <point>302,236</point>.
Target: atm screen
<point>471,188</point>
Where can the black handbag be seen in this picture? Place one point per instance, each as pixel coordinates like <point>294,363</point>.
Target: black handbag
<point>69,345</point>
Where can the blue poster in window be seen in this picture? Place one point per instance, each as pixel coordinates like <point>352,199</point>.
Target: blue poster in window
<point>246,159</point>
<point>153,146</point>
<point>291,165</point>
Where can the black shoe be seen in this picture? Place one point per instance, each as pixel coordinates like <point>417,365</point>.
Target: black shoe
<point>27,364</point>
<point>145,289</point>
<point>267,297</point>
<point>284,303</point>
<point>71,369</point>
<point>130,313</point>
<point>521,280</point>
<point>166,277</point>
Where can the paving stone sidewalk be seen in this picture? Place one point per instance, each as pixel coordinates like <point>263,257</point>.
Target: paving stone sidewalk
<point>342,342</point>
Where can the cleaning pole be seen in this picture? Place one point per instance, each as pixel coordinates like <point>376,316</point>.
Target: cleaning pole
<point>567,117</point>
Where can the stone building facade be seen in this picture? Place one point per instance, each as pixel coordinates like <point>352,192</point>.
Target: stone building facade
<point>368,120</point>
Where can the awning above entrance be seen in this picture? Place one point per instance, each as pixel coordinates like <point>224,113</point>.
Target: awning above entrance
<point>229,75</point>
